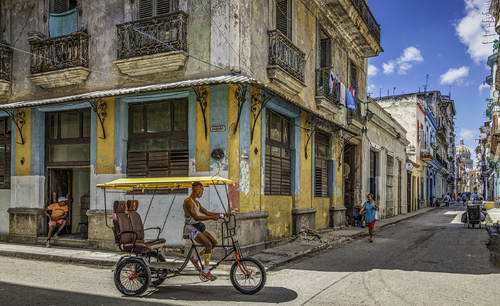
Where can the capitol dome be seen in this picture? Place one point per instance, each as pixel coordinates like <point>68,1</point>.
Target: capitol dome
<point>462,150</point>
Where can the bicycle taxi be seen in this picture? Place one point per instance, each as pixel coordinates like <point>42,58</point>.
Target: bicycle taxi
<point>145,264</point>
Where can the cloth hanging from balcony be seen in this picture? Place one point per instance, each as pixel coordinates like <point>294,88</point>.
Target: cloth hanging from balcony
<point>331,81</point>
<point>350,101</point>
<point>63,23</point>
<point>342,94</point>
<point>353,91</point>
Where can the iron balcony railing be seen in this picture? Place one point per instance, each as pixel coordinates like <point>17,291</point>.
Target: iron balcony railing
<point>283,53</point>
<point>5,64</point>
<point>323,85</point>
<point>152,35</point>
<point>367,17</point>
<point>60,52</point>
<point>356,113</point>
<point>439,159</point>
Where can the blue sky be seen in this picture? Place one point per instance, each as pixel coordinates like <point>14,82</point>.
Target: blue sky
<point>442,38</point>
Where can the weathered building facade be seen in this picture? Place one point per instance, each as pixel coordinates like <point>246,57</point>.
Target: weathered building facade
<point>181,88</point>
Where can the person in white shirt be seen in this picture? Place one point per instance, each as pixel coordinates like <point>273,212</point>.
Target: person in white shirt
<point>447,199</point>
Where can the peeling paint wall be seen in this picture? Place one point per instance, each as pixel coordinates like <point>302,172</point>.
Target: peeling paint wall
<point>279,222</point>
<point>105,147</point>
<point>203,136</point>
<point>23,151</point>
<point>322,206</point>
<point>306,166</point>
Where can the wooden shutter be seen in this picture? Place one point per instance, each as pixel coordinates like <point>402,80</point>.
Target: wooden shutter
<point>162,7</point>
<point>179,163</point>
<point>137,163</point>
<point>282,17</point>
<point>59,6</point>
<point>145,9</point>
<point>325,52</point>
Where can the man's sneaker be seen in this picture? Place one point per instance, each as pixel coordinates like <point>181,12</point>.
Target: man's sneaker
<point>195,263</point>
<point>56,236</point>
<point>208,276</point>
<point>47,245</point>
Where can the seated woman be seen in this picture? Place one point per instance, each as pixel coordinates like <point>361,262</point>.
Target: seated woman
<point>195,229</point>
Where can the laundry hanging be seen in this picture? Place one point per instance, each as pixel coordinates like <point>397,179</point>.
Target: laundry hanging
<point>63,23</point>
<point>342,94</point>
<point>351,102</point>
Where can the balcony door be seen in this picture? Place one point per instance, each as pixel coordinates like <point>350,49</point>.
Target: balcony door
<point>284,17</point>
<point>325,51</point>
<point>63,17</point>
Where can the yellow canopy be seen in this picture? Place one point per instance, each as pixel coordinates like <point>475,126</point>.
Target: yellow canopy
<point>131,184</point>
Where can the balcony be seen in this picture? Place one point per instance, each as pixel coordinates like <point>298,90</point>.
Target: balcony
<point>489,80</point>
<point>439,158</point>
<point>426,155</point>
<point>354,116</point>
<point>5,72</point>
<point>60,61</point>
<point>326,98</point>
<point>139,54</point>
<point>357,21</point>
<point>287,62</point>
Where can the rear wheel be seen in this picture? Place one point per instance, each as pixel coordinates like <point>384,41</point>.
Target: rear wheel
<point>249,277</point>
<point>132,277</point>
<point>156,256</point>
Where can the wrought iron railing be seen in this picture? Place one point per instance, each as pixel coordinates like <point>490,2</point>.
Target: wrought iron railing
<point>368,18</point>
<point>356,113</point>
<point>439,158</point>
<point>152,35</point>
<point>323,85</point>
<point>60,52</point>
<point>5,64</point>
<point>283,53</point>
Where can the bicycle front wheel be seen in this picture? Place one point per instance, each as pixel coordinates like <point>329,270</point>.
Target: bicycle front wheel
<point>132,276</point>
<point>248,277</point>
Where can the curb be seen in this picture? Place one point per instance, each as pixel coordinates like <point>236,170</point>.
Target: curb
<point>60,259</point>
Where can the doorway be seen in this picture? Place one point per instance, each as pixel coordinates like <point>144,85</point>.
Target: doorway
<point>349,179</point>
<point>409,197</point>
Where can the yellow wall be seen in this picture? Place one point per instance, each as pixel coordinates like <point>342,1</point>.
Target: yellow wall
<point>279,223</point>
<point>305,164</point>
<point>202,144</point>
<point>322,206</point>
<point>234,138</point>
<point>24,150</point>
<point>338,196</point>
<point>105,148</point>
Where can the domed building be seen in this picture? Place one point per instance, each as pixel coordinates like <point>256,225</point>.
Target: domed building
<point>464,154</point>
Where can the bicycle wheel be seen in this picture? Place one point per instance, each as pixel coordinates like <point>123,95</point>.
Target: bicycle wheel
<point>132,277</point>
<point>249,277</point>
<point>156,256</point>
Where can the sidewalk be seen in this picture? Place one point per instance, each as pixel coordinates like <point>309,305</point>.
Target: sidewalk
<point>493,216</point>
<point>271,258</point>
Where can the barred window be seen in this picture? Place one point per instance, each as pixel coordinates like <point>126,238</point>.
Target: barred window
<point>278,160</point>
<point>158,139</point>
<point>5,137</point>
<point>321,164</point>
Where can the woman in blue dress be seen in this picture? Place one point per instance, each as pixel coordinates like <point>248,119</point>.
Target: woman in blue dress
<point>370,207</point>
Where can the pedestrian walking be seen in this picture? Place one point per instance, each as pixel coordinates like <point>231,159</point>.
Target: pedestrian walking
<point>370,208</point>
<point>447,200</point>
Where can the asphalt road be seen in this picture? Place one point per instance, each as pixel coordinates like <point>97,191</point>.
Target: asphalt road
<point>429,260</point>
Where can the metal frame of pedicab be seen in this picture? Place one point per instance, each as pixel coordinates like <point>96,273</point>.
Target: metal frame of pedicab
<point>161,270</point>
<point>473,206</point>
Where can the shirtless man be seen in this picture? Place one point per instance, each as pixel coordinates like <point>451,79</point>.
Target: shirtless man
<point>195,229</point>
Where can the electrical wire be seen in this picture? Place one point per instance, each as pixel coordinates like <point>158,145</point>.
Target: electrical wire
<point>121,20</point>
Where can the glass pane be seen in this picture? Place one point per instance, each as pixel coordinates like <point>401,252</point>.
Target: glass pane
<point>268,149</point>
<point>317,163</point>
<point>321,151</point>
<point>159,144</point>
<point>70,125</point>
<point>178,144</point>
<point>324,164</point>
<point>2,148</point>
<point>7,148</point>
<point>275,151</point>
<point>286,131</point>
<point>285,153</point>
<point>158,117</point>
<point>137,146</point>
<point>53,123</point>
<point>275,126</point>
<point>180,110</point>
<point>86,123</point>
<point>69,153</point>
<point>138,119</point>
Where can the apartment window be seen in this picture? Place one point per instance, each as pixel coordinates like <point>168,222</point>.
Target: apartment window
<point>325,54</point>
<point>158,139</point>
<point>321,164</point>
<point>354,78</point>
<point>5,137</point>
<point>61,6</point>
<point>390,181</point>
<point>278,159</point>
<point>151,8</point>
<point>284,17</point>
<point>68,138</point>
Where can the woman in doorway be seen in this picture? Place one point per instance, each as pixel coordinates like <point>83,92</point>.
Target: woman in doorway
<point>370,207</point>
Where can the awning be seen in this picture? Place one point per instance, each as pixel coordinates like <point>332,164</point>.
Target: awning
<point>132,184</point>
<point>223,79</point>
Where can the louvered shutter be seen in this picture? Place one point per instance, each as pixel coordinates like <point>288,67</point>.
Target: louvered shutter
<point>282,17</point>
<point>145,9</point>
<point>162,7</point>
<point>137,164</point>
<point>325,53</point>
<point>59,6</point>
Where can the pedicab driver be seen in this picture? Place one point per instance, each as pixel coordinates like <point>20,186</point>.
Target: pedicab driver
<point>195,229</point>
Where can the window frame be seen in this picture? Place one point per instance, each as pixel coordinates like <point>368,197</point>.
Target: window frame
<point>288,17</point>
<point>52,6</point>
<point>268,156</point>
<point>173,7</point>
<point>317,143</point>
<point>354,80</point>
<point>66,141</point>
<point>6,139</point>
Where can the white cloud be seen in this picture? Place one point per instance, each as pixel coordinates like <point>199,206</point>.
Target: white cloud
<point>454,76</point>
<point>410,56</point>
<point>372,70</point>
<point>471,28</point>
<point>466,134</point>
<point>389,67</point>
<point>483,86</point>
